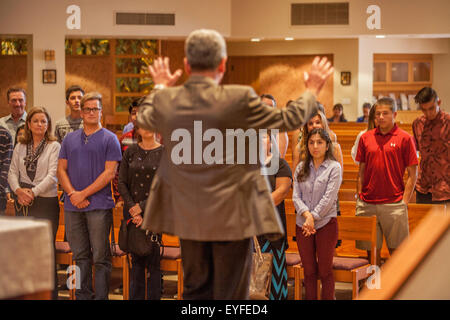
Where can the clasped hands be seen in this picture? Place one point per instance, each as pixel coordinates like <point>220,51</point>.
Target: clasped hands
<point>308,226</point>
<point>135,212</point>
<point>79,200</point>
<point>25,196</point>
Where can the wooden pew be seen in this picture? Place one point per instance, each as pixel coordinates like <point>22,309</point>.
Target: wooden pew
<point>416,212</point>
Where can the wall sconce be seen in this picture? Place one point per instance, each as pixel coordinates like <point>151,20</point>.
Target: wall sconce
<point>49,55</point>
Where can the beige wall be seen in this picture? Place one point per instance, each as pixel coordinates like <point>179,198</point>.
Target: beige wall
<point>271,19</point>
<point>441,76</point>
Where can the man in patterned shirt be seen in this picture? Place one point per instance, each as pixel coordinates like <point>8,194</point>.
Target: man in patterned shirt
<point>432,136</point>
<point>73,121</point>
<point>6,149</point>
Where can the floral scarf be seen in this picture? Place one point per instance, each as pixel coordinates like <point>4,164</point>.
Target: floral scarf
<point>32,157</point>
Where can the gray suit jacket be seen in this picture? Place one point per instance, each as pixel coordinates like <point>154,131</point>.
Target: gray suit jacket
<point>212,202</point>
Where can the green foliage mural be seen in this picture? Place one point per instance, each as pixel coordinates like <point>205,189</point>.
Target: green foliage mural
<point>12,47</point>
<point>131,60</point>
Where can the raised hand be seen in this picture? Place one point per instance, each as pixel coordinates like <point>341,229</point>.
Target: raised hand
<point>320,70</point>
<point>160,72</point>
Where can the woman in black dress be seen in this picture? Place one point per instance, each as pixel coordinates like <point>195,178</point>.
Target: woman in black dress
<point>137,169</point>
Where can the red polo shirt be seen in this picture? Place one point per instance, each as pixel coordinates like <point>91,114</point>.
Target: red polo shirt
<point>386,158</point>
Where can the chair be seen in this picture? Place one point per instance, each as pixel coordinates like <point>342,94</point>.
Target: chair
<point>63,252</point>
<point>10,210</point>
<point>171,260</point>
<point>293,257</point>
<point>351,269</point>
<point>120,259</point>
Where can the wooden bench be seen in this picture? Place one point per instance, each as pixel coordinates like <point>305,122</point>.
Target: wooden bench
<point>416,212</point>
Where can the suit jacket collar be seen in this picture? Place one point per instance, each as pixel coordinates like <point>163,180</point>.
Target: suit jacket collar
<point>200,79</point>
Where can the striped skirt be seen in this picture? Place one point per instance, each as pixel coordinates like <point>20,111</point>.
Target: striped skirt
<point>279,287</point>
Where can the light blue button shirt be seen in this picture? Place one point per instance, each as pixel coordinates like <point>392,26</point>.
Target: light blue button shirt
<point>318,192</point>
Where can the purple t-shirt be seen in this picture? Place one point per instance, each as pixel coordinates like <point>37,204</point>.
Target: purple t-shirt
<point>86,161</point>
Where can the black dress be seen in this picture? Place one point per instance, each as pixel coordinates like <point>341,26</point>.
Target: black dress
<point>279,288</point>
<point>137,169</point>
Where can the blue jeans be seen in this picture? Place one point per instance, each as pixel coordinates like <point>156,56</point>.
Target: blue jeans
<point>88,236</point>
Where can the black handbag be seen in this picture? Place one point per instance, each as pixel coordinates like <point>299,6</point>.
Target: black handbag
<point>135,240</point>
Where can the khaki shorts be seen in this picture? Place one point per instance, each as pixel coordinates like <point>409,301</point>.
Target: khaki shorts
<point>392,222</point>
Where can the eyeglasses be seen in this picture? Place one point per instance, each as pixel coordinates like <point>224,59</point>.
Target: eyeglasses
<point>89,110</point>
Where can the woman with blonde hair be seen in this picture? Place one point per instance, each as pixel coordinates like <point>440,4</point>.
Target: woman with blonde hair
<point>317,120</point>
<point>32,174</point>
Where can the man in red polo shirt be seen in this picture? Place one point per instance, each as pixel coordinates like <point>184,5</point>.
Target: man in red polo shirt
<point>384,153</point>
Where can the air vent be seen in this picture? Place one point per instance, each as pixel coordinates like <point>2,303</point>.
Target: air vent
<point>152,19</point>
<point>335,13</point>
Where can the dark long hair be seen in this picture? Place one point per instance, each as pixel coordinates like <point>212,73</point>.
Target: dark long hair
<point>304,171</point>
<point>371,120</point>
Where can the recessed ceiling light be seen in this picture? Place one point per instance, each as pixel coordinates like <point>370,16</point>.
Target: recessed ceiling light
<point>255,40</point>
<point>380,36</point>
<point>288,38</point>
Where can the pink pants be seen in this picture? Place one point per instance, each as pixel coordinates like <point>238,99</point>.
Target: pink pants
<point>316,252</point>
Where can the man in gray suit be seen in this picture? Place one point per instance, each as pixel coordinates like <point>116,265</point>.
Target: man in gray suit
<point>212,200</point>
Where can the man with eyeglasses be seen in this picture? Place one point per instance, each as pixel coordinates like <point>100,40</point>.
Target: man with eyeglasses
<point>73,121</point>
<point>87,164</point>
<point>432,136</point>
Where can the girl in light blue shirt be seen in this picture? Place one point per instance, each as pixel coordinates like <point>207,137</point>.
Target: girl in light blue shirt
<point>317,181</point>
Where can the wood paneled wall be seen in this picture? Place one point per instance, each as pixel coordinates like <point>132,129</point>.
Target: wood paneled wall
<point>281,76</point>
<point>92,73</point>
<point>13,70</point>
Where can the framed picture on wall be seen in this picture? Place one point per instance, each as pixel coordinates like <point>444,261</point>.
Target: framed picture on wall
<point>346,78</point>
<point>49,76</point>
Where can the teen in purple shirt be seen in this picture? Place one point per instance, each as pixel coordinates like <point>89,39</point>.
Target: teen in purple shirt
<point>87,164</point>
<point>316,186</point>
